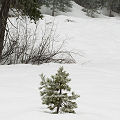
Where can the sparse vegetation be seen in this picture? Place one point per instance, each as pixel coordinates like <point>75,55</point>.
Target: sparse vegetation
<point>55,92</point>
<point>22,46</point>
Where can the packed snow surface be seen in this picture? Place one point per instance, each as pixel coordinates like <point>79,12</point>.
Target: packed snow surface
<point>95,76</point>
<point>99,89</point>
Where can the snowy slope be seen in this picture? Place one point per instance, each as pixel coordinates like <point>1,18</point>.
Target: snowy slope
<point>97,40</point>
<point>95,76</point>
<point>75,11</point>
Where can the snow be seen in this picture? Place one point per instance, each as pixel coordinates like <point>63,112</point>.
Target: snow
<point>20,99</point>
<point>75,11</point>
<point>95,76</point>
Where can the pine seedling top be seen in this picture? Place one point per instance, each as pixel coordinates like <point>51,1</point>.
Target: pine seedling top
<point>55,92</point>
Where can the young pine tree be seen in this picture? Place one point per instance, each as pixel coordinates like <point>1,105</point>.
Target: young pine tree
<point>55,92</point>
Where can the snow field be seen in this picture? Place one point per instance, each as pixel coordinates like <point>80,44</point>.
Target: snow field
<point>95,76</point>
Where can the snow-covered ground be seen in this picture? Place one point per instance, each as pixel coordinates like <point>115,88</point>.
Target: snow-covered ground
<point>95,76</point>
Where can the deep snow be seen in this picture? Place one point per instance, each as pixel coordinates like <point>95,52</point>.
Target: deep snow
<point>95,76</point>
<point>20,100</point>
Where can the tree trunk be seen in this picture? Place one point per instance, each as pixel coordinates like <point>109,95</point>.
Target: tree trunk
<point>110,7</point>
<point>53,12</point>
<point>110,13</point>
<point>53,9</point>
<point>3,21</point>
<point>58,107</point>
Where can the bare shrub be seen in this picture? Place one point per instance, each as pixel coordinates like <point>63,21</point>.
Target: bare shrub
<point>23,47</point>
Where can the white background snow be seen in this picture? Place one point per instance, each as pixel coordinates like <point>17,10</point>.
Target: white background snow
<point>95,76</point>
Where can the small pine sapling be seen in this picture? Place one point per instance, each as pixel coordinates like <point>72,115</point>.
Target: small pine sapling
<point>55,92</point>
